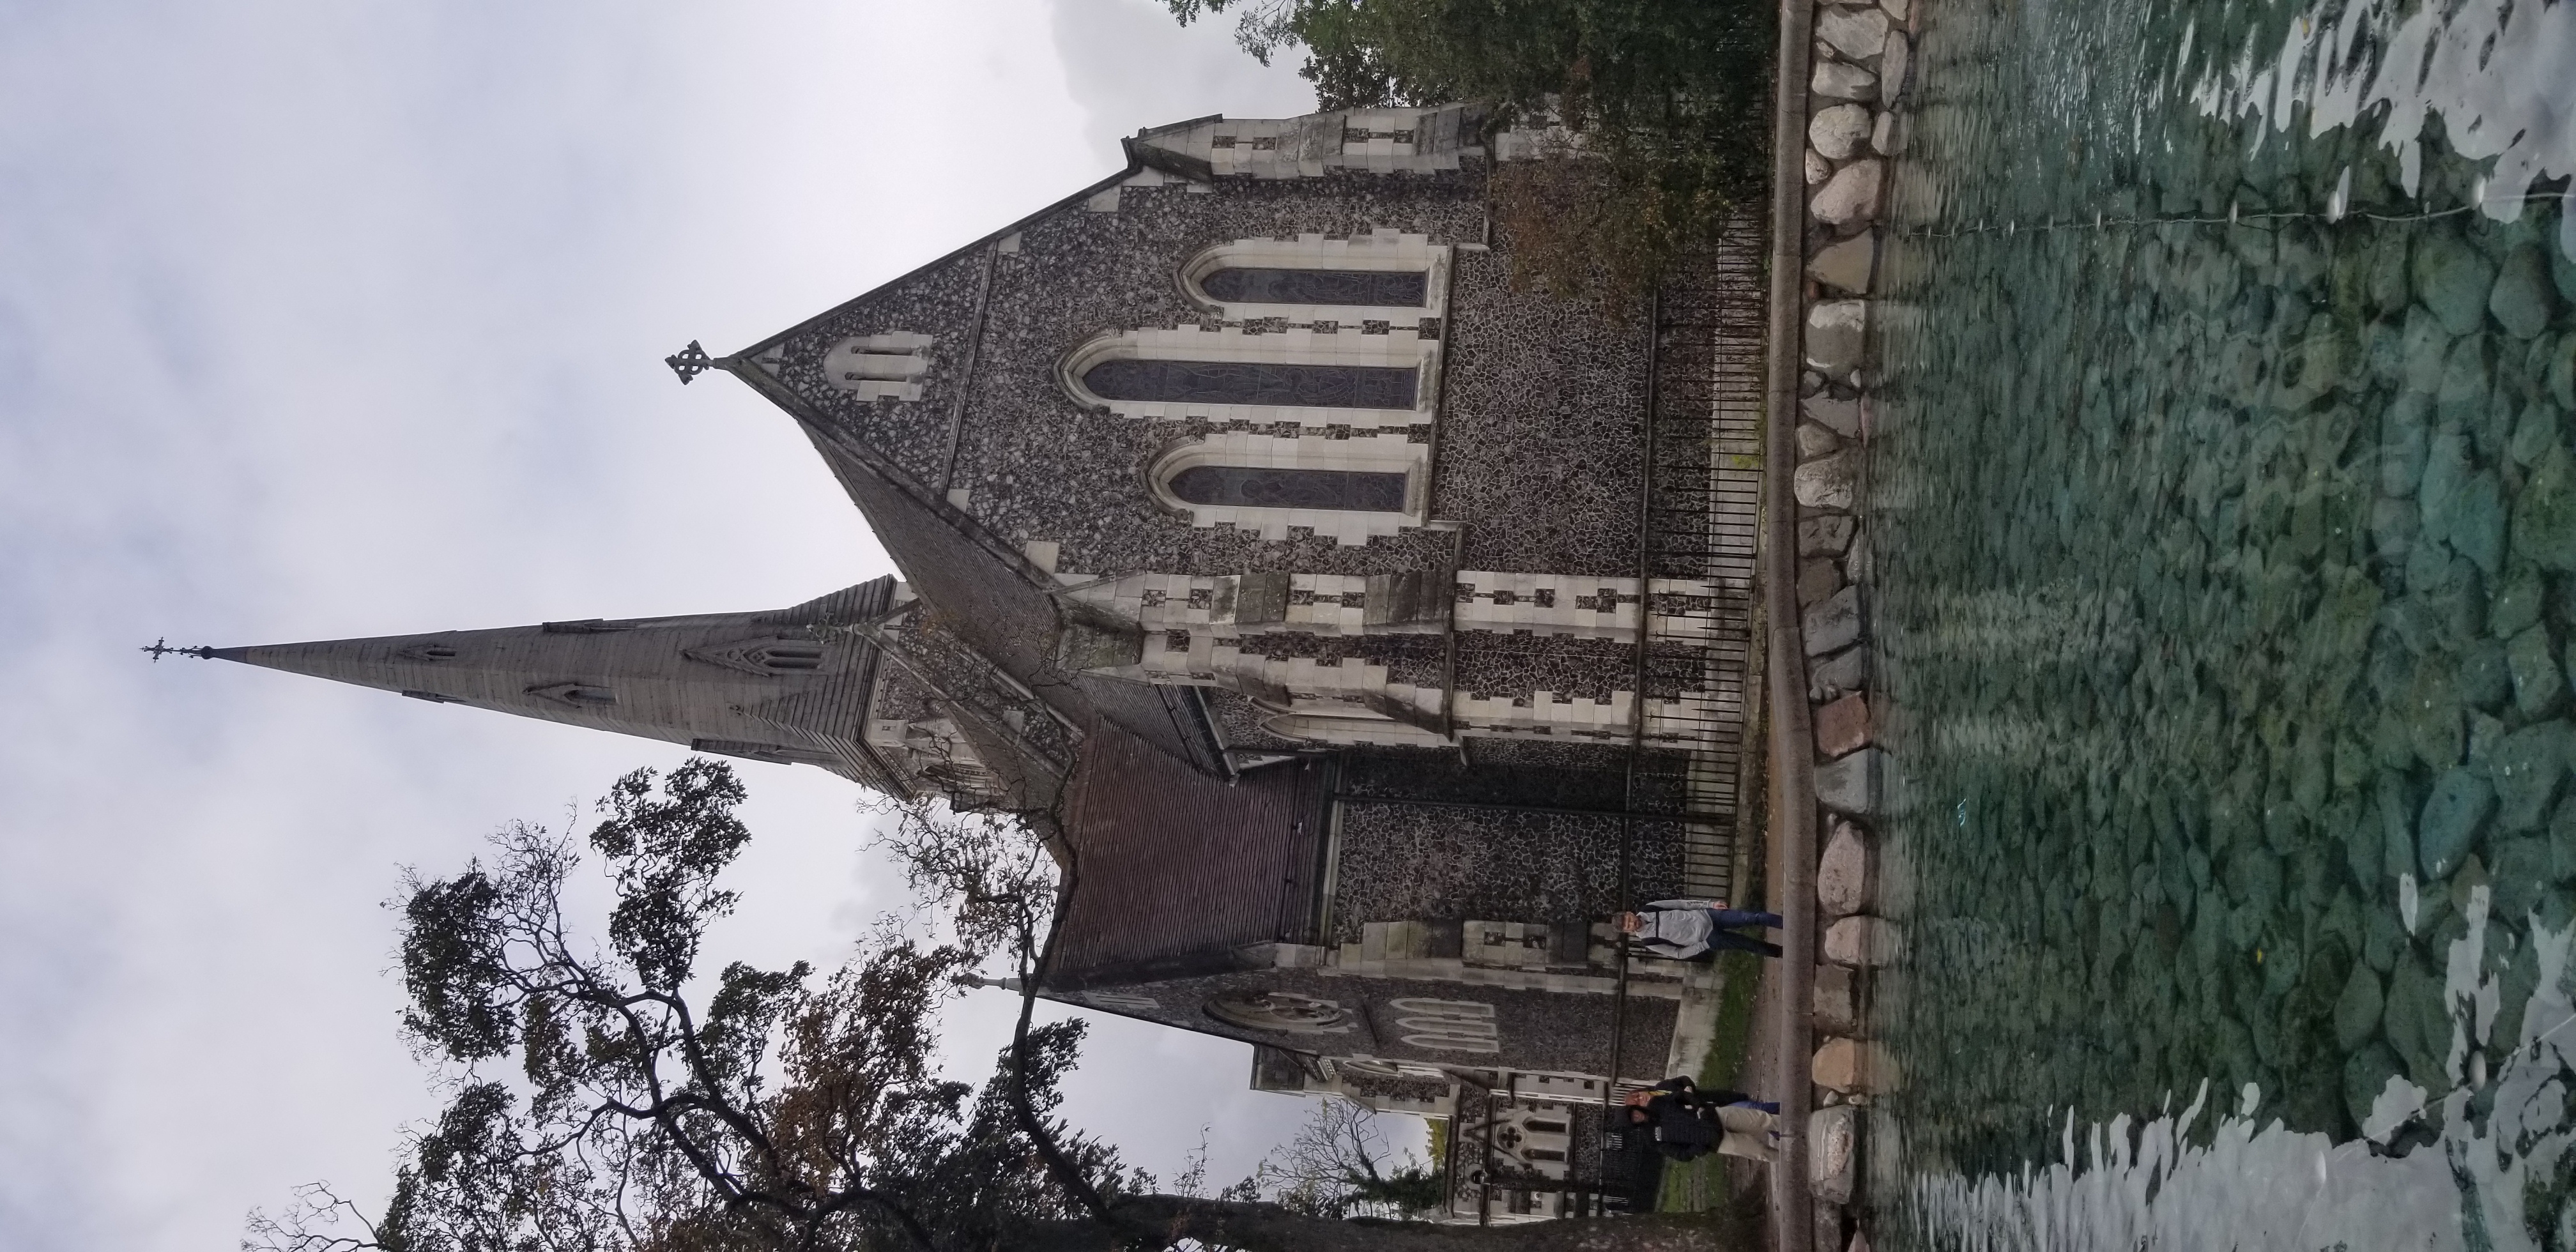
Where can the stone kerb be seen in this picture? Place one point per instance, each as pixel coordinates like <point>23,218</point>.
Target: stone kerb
<point>1856,124</point>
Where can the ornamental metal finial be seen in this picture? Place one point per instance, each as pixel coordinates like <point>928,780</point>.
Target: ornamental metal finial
<point>691,361</point>
<point>161,647</point>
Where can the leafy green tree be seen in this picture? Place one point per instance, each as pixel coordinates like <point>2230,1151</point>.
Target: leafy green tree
<point>1665,107</point>
<point>609,1100</point>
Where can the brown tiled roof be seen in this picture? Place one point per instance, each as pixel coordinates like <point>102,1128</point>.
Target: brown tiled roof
<point>1177,868</point>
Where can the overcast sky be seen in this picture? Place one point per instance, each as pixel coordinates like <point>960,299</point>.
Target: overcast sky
<point>320,319</point>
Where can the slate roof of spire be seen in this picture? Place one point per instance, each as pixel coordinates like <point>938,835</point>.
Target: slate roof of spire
<point>675,679</point>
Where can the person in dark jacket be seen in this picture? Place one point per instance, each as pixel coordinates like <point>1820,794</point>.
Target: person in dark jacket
<point>1687,1123</point>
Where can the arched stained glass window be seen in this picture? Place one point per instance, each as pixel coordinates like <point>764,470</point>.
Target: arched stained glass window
<point>1244,382</point>
<point>1401,289</point>
<point>1246,486</point>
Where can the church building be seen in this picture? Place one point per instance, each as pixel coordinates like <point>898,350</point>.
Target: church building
<point>1363,629</point>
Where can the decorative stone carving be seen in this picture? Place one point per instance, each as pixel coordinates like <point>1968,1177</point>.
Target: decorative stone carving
<point>769,657</point>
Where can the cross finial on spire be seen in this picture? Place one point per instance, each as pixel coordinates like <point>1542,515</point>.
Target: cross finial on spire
<point>691,361</point>
<point>160,648</point>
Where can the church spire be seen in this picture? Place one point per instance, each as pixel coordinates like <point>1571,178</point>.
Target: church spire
<point>790,685</point>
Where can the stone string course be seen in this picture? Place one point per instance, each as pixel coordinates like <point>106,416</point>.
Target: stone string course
<point>1857,122</point>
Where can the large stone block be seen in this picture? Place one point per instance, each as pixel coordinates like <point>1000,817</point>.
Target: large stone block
<point>1837,1007</point>
<point>1839,416</point>
<point>1833,1148</point>
<point>1853,1065</point>
<point>1839,131</point>
<point>1824,535</point>
<point>1854,783</point>
<point>1843,82</point>
<point>1845,876</point>
<point>1857,34</point>
<point>1895,54</point>
<point>1827,483</point>
<point>1832,624</point>
<point>1888,137</point>
<point>1831,677</point>
<point>1846,266</point>
<point>1864,942</point>
<point>1851,195</point>
<point>1837,330</point>
<point>1843,726</point>
<point>1856,565</point>
<point>1815,441</point>
<point>1818,579</point>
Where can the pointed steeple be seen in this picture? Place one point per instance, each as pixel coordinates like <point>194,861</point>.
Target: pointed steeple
<point>791,685</point>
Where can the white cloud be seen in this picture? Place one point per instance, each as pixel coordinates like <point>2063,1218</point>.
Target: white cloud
<point>320,319</point>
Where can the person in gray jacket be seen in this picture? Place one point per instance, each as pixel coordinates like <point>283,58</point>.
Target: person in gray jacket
<point>1687,929</point>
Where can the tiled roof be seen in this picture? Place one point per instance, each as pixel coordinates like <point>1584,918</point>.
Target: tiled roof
<point>1177,867</point>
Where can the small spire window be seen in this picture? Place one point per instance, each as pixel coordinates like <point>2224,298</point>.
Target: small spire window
<point>879,367</point>
<point>764,656</point>
<point>576,695</point>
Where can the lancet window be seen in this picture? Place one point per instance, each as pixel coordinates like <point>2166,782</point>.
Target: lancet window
<point>1350,489</point>
<point>1254,382</point>
<point>1248,486</point>
<point>1375,288</point>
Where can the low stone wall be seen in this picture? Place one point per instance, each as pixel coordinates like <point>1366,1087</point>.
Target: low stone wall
<point>1858,93</point>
